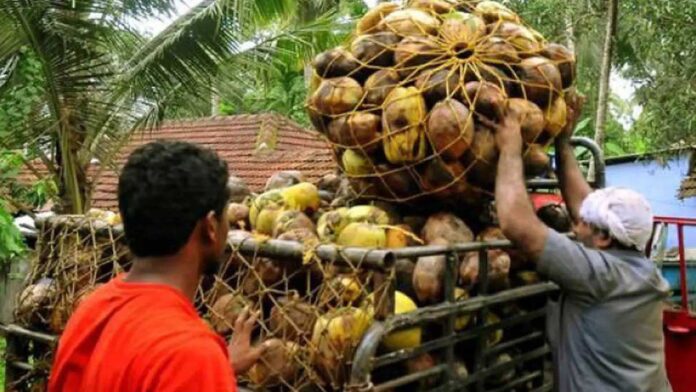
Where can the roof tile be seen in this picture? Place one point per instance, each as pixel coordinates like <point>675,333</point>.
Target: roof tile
<point>234,138</point>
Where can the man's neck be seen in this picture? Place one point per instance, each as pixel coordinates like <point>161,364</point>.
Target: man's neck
<point>168,270</point>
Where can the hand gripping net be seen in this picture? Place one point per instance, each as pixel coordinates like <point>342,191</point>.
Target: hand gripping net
<point>410,103</point>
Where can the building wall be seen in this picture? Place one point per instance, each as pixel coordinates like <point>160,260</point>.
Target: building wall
<point>659,183</point>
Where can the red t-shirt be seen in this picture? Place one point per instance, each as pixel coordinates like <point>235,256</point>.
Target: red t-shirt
<point>130,337</point>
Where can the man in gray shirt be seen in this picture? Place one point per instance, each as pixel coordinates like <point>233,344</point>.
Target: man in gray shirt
<point>605,331</point>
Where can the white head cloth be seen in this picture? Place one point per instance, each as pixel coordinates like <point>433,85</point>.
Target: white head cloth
<point>624,213</point>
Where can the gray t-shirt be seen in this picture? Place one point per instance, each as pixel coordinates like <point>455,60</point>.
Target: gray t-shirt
<point>605,330</point>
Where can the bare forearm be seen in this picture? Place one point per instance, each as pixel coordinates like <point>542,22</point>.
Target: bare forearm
<point>573,185</point>
<point>515,213</point>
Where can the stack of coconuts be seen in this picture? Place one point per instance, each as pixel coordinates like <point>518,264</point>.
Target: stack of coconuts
<point>314,314</point>
<point>407,102</point>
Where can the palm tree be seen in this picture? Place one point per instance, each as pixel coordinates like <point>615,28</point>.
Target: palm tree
<point>102,80</point>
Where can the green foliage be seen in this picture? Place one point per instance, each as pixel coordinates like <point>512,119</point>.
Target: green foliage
<point>285,94</point>
<point>11,241</point>
<point>81,80</point>
<point>22,96</point>
<point>29,196</point>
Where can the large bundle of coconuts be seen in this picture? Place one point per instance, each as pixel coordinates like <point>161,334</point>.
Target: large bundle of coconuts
<point>408,102</point>
<point>314,313</point>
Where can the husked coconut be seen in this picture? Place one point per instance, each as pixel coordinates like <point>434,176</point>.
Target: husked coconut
<point>369,22</point>
<point>446,226</point>
<point>278,364</point>
<point>450,129</point>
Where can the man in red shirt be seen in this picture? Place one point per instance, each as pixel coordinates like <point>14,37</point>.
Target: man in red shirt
<point>140,332</point>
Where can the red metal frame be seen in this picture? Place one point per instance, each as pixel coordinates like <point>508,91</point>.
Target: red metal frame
<point>680,223</point>
<point>680,324</point>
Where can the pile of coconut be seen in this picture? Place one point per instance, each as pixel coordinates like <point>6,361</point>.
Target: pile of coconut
<point>315,312</point>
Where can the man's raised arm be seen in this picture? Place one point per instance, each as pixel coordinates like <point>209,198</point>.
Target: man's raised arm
<point>573,185</point>
<point>517,219</point>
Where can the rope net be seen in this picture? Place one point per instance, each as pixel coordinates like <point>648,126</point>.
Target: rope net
<point>410,103</point>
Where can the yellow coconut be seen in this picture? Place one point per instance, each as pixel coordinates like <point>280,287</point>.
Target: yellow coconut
<point>462,321</point>
<point>301,197</point>
<point>331,223</point>
<point>362,235</point>
<point>367,214</point>
<point>402,339</point>
<point>266,218</point>
<point>261,201</point>
<point>355,164</point>
<point>335,336</point>
<point>555,117</point>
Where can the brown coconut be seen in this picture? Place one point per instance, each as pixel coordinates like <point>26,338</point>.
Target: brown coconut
<point>450,129</point>
<point>319,121</point>
<point>359,130</point>
<point>277,365</point>
<point>486,98</point>
<point>337,95</point>
<point>492,74</point>
<point>375,49</point>
<point>540,80</point>
<point>497,50</point>
<point>564,59</point>
<point>428,276</point>
<point>433,6</point>
<point>413,52</point>
<point>292,319</point>
<point>380,84</point>
<point>556,117</point>
<point>410,22</point>
<point>290,220</point>
<point>238,215</point>
<point>531,118</point>
<point>536,161</point>
<point>334,63</point>
<point>225,311</point>
<point>422,363</point>
<point>483,155</point>
<point>438,84</point>
<point>444,179</point>
<point>518,36</point>
<point>462,30</point>
<point>266,272</point>
<point>395,181</point>
<point>372,18</point>
<point>493,11</point>
<point>446,226</point>
<point>284,179</point>
<point>239,190</point>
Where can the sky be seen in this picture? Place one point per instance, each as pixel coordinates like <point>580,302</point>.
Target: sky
<point>619,85</point>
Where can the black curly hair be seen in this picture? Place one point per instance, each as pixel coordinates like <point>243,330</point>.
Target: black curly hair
<point>164,189</point>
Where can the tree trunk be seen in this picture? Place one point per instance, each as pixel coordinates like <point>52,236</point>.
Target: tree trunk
<point>569,29</point>
<point>605,73</point>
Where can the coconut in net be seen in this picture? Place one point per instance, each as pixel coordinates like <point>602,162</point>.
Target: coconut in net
<point>408,102</point>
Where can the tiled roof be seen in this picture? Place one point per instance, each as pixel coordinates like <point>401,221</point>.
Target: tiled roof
<point>235,139</point>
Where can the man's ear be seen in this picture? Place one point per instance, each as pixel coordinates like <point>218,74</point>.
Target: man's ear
<point>210,226</point>
<point>603,240</point>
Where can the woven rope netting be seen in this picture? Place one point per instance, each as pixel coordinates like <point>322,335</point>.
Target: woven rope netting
<point>312,313</point>
<point>410,103</point>
<point>74,255</point>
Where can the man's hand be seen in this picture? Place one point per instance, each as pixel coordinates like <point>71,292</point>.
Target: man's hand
<point>242,354</point>
<point>574,104</point>
<point>508,134</point>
